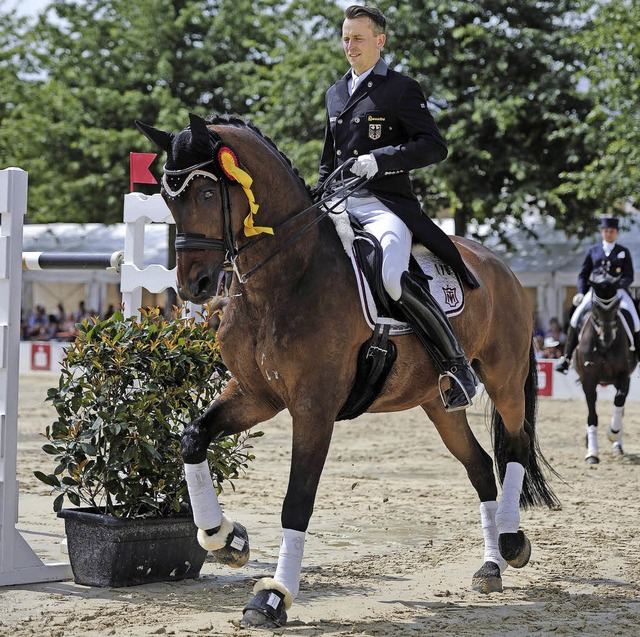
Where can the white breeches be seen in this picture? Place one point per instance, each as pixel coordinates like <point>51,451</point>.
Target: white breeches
<point>626,303</point>
<point>393,235</point>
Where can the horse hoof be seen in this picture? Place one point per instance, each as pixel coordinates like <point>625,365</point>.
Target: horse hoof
<point>515,548</point>
<point>617,450</point>
<point>592,460</point>
<point>487,579</point>
<point>265,610</point>
<point>236,551</point>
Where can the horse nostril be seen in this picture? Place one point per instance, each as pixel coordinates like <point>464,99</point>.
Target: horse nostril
<point>203,284</point>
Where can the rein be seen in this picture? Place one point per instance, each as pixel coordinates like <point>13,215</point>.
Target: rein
<point>337,193</point>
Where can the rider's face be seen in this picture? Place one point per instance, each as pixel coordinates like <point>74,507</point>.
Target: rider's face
<point>361,45</point>
<point>609,234</point>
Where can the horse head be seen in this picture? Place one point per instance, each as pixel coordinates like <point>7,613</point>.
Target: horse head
<point>605,304</point>
<point>216,183</point>
<point>604,285</point>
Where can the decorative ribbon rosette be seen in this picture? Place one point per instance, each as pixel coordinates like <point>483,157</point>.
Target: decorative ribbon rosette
<point>229,164</point>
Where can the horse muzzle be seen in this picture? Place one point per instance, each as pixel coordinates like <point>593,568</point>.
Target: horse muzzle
<point>201,284</point>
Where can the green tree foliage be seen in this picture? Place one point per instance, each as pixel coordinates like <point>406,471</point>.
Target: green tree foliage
<point>307,58</point>
<point>101,64</point>
<point>611,48</point>
<point>501,79</point>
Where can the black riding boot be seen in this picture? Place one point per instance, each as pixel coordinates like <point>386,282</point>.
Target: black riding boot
<point>569,346</point>
<point>636,344</point>
<point>432,327</point>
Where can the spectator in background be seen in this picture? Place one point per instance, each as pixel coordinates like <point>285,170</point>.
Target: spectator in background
<point>551,348</point>
<point>36,324</point>
<point>538,345</point>
<point>556,332</point>
<point>81,313</point>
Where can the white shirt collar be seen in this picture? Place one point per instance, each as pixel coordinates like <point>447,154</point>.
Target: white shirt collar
<point>608,247</point>
<point>357,79</point>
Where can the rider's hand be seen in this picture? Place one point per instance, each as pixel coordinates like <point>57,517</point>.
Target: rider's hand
<point>577,299</point>
<point>365,166</point>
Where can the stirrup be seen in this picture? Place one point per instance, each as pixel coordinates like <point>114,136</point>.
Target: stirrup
<point>445,395</point>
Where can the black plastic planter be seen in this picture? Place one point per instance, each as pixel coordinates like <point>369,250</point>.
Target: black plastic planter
<point>109,551</point>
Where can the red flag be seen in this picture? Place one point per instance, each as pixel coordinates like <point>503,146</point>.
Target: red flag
<point>139,172</point>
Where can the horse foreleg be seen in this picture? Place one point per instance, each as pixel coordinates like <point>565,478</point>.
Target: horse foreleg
<point>457,436</point>
<point>274,596</point>
<point>616,427</point>
<point>593,450</point>
<point>232,413</point>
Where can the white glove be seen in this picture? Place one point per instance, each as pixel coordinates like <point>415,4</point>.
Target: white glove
<point>577,299</point>
<point>365,166</point>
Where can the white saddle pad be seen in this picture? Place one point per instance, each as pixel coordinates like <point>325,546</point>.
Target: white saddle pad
<point>445,285</point>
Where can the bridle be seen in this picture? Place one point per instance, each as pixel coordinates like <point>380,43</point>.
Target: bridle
<point>600,325</point>
<point>336,189</point>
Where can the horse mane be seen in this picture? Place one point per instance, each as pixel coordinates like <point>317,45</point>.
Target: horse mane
<point>234,120</point>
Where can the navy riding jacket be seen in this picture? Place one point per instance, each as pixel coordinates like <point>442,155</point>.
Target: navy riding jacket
<point>387,116</point>
<point>617,263</point>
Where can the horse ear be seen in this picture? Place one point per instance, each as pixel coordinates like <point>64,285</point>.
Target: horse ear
<point>199,132</point>
<point>160,138</point>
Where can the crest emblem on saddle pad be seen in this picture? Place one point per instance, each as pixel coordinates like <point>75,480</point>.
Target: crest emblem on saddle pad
<point>375,131</point>
<point>450,296</point>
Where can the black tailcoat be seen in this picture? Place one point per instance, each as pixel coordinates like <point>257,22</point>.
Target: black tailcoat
<point>387,116</point>
<point>617,263</point>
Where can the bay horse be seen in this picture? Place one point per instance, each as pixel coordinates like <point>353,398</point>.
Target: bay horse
<point>291,336</point>
<point>604,357</point>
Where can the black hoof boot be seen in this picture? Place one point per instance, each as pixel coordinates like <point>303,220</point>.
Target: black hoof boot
<point>265,610</point>
<point>236,550</point>
<point>488,579</point>
<point>515,548</point>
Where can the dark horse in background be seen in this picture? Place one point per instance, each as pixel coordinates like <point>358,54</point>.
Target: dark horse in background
<point>604,357</point>
<point>291,337</point>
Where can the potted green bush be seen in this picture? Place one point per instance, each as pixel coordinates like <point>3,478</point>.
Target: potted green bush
<point>127,388</point>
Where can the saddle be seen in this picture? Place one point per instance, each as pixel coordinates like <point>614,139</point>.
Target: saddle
<point>378,354</point>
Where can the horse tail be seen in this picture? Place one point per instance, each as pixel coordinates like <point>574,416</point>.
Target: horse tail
<point>535,490</point>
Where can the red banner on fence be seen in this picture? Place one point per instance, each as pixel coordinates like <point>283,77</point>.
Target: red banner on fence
<point>545,378</point>
<point>139,172</point>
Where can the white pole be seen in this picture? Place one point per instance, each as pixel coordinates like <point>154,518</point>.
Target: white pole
<point>18,562</point>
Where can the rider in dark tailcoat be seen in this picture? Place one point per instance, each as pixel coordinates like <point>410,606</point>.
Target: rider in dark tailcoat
<point>616,260</point>
<point>380,118</point>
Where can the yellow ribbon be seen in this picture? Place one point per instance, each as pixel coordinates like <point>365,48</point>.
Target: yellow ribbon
<point>230,166</point>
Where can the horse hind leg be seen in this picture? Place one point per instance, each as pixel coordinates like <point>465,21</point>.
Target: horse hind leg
<point>518,458</point>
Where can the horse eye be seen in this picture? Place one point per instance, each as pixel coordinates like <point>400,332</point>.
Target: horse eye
<point>209,193</point>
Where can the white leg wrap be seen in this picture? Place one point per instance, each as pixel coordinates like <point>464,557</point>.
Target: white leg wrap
<point>490,532</point>
<point>290,561</point>
<point>592,441</point>
<point>207,513</point>
<point>508,513</point>
<point>616,419</point>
